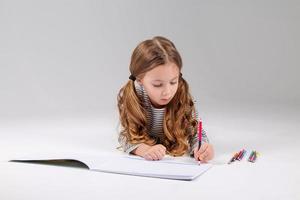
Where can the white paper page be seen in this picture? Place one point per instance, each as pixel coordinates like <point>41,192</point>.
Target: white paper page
<point>141,167</point>
<point>170,159</point>
<point>181,168</point>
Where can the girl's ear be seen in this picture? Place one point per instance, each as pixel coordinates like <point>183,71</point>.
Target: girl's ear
<point>140,81</point>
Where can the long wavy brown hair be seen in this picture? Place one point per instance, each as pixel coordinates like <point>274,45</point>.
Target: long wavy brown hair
<point>179,123</point>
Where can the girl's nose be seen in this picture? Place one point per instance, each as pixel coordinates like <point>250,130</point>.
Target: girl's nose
<point>166,91</point>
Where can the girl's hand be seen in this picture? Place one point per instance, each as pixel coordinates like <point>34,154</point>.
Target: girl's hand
<point>156,152</point>
<point>205,153</point>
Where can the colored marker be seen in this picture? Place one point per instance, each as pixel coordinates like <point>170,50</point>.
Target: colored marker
<point>233,158</point>
<point>252,156</point>
<point>199,133</point>
<point>244,154</point>
<point>241,154</point>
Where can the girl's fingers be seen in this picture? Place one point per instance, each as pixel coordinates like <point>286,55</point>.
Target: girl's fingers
<point>154,155</point>
<point>148,157</point>
<point>207,155</point>
<point>203,148</point>
<point>162,153</point>
<point>158,155</point>
<point>197,154</point>
<point>204,155</point>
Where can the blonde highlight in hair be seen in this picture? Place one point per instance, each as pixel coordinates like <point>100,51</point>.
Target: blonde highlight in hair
<point>179,122</point>
<point>132,116</point>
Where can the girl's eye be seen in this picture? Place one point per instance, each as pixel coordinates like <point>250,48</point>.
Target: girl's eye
<point>160,85</point>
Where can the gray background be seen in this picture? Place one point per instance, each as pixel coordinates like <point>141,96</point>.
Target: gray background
<point>70,58</point>
<point>62,64</point>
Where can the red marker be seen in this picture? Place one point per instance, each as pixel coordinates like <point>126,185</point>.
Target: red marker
<point>233,158</point>
<point>199,133</point>
<point>241,154</point>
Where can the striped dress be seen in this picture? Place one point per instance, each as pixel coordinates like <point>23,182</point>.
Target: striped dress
<point>155,117</point>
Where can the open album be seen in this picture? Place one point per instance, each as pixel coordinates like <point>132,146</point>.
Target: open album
<point>183,168</point>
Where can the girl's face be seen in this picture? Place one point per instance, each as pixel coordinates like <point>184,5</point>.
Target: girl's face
<point>161,84</point>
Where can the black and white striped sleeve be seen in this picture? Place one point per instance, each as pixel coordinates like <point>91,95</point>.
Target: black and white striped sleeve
<point>126,146</point>
<point>194,140</point>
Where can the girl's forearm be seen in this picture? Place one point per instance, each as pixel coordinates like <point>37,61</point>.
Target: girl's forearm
<point>141,149</point>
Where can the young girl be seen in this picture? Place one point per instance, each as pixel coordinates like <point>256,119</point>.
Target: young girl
<point>157,112</point>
